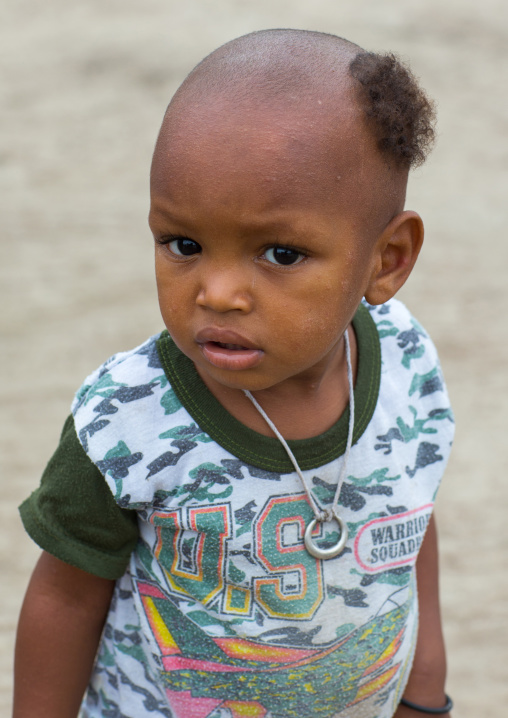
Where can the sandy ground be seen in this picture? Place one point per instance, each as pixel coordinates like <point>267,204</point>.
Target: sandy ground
<point>83,89</point>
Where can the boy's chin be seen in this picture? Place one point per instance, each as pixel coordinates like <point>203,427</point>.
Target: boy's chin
<point>218,380</point>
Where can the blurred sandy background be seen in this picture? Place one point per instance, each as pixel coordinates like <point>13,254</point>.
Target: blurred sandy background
<point>83,89</point>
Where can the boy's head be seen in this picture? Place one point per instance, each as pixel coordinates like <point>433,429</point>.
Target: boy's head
<point>278,181</point>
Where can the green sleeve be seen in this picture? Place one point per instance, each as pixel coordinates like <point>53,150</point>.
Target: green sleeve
<point>73,514</point>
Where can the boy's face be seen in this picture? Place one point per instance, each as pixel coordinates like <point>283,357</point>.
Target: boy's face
<point>261,251</point>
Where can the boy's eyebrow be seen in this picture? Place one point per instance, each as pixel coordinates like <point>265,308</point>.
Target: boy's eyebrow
<point>291,227</point>
<point>251,224</point>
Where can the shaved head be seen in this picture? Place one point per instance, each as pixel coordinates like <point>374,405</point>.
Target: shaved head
<point>288,99</point>
<point>272,66</point>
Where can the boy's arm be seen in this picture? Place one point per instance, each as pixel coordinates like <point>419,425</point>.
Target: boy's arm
<point>59,629</point>
<point>426,684</point>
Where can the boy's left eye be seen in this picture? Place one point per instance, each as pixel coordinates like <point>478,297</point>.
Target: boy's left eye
<point>283,255</point>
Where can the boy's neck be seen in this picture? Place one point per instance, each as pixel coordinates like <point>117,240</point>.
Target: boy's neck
<point>299,410</point>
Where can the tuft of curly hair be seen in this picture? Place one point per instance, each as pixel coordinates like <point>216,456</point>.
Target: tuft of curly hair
<point>398,110</point>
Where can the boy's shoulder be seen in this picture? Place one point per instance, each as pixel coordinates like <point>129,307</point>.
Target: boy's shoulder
<point>402,338</point>
<point>112,378</point>
<point>122,390</point>
<point>411,378</point>
<point>392,315</point>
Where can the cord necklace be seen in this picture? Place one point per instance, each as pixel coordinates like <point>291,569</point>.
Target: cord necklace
<point>331,513</point>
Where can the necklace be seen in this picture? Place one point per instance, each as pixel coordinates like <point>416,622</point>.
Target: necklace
<point>329,514</point>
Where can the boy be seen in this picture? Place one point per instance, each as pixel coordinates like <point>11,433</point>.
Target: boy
<point>214,570</point>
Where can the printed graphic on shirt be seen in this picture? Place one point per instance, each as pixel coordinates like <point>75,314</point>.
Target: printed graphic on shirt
<point>193,554</point>
<point>293,587</point>
<point>253,678</point>
<point>391,541</point>
<point>191,547</point>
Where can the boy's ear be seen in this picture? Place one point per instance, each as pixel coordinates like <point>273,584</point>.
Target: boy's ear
<point>394,256</point>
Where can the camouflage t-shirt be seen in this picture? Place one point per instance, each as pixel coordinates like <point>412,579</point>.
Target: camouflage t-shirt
<point>222,613</point>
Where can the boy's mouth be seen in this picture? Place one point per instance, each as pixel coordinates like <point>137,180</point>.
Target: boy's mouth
<point>236,354</point>
<point>233,347</point>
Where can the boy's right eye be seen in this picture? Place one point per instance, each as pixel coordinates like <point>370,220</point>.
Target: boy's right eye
<point>183,246</point>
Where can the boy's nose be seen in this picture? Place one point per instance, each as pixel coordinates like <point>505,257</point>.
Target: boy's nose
<point>225,291</point>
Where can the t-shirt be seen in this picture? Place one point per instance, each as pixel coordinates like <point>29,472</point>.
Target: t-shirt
<point>218,610</point>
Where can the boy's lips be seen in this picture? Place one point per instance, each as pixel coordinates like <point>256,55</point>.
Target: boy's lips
<point>226,349</point>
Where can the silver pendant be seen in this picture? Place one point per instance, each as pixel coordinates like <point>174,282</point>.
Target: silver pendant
<point>325,553</point>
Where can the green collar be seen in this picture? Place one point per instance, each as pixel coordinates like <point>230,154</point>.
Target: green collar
<point>263,451</point>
